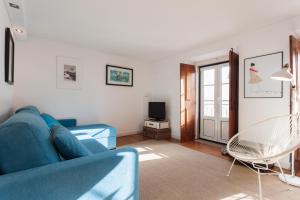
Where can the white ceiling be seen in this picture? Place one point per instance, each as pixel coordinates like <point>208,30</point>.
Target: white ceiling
<point>150,29</point>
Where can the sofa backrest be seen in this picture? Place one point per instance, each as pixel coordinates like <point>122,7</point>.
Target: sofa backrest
<point>25,143</point>
<point>31,109</point>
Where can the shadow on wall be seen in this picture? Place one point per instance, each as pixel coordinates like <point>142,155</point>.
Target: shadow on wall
<point>4,115</point>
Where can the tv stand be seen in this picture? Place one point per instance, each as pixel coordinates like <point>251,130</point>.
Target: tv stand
<point>157,129</point>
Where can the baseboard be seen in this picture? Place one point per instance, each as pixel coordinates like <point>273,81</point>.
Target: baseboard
<point>125,133</point>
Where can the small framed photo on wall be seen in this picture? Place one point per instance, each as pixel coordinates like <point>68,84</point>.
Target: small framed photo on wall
<point>119,76</point>
<point>9,57</point>
<point>68,73</point>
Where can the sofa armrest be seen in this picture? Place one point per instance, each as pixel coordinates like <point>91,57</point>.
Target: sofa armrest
<point>68,122</point>
<point>108,175</point>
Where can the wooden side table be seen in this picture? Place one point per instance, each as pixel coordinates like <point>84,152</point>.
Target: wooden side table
<point>158,134</point>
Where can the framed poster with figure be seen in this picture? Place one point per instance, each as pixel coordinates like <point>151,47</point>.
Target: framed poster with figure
<point>257,76</point>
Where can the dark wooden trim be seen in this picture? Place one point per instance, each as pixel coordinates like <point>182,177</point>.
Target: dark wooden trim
<point>9,39</point>
<point>213,64</point>
<point>106,77</point>
<point>199,104</point>
<point>294,56</point>
<point>245,75</point>
<point>233,94</point>
<point>291,38</point>
<point>187,132</point>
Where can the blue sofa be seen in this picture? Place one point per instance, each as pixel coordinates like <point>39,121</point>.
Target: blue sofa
<point>31,167</point>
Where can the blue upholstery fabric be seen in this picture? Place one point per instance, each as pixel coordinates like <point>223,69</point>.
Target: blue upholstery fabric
<point>108,175</point>
<point>68,122</point>
<point>25,143</point>
<point>104,134</point>
<point>50,121</point>
<point>67,144</point>
<point>95,130</point>
<point>31,109</point>
<point>91,143</point>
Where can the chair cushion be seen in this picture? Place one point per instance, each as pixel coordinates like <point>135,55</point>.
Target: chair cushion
<point>67,144</point>
<point>31,109</point>
<point>92,144</point>
<point>50,121</point>
<point>25,143</point>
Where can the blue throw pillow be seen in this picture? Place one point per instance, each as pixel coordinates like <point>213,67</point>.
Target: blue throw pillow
<point>50,121</point>
<point>67,144</point>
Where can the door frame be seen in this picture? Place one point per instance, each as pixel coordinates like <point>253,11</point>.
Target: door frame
<point>294,44</point>
<point>199,96</point>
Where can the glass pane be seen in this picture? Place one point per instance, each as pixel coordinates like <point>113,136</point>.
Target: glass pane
<point>209,77</point>
<point>209,108</point>
<point>225,92</point>
<point>225,109</point>
<point>225,74</point>
<point>209,93</point>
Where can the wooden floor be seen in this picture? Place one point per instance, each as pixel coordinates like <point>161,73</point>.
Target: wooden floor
<point>195,145</point>
<point>205,148</point>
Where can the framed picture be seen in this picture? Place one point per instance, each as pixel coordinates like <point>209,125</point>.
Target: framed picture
<point>257,76</point>
<point>119,76</point>
<point>68,73</point>
<point>9,57</point>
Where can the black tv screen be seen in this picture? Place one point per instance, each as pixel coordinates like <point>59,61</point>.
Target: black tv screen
<point>157,110</point>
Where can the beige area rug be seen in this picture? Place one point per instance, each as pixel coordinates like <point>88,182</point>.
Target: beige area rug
<point>171,171</point>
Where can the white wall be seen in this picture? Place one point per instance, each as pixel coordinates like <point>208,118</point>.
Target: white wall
<point>166,73</point>
<point>6,91</point>
<point>35,84</point>
<point>165,76</point>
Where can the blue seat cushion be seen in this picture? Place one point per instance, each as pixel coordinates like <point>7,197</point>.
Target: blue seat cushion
<point>25,143</point>
<point>104,134</point>
<point>31,109</point>
<point>95,130</point>
<point>50,121</point>
<point>67,144</point>
<point>92,144</point>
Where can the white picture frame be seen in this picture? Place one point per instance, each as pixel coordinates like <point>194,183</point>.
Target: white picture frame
<point>266,65</point>
<point>69,73</point>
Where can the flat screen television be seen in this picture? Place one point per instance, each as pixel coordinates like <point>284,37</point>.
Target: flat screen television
<point>157,111</point>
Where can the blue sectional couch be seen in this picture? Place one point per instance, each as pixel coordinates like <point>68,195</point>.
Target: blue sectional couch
<point>32,167</point>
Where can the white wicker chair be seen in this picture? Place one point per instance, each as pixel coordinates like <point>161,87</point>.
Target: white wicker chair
<point>265,142</point>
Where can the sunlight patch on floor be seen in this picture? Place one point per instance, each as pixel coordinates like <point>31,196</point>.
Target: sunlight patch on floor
<point>149,156</point>
<point>148,148</point>
<point>140,149</point>
<point>147,153</point>
<point>241,196</point>
<point>163,155</point>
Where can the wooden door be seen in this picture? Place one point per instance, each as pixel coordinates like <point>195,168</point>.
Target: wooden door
<point>233,93</point>
<point>294,106</point>
<point>187,102</point>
